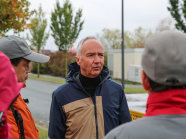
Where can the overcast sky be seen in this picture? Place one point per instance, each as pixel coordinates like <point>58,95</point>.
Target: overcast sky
<point>99,14</point>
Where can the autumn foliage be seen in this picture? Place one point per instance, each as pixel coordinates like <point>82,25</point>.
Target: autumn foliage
<point>13,15</point>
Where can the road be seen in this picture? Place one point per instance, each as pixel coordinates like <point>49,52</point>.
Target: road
<point>137,102</point>
<point>39,94</point>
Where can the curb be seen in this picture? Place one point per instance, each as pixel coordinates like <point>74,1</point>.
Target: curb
<point>39,126</point>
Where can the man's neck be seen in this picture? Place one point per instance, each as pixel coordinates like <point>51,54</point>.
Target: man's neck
<point>90,84</point>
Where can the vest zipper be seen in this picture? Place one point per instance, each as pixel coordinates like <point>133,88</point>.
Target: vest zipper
<point>95,113</point>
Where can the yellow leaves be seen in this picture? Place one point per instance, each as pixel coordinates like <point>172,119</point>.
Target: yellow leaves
<point>11,3</point>
<point>7,1</point>
<point>6,13</point>
<point>20,15</point>
<point>14,14</point>
<point>22,25</point>
<point>29,26</point>
<point>5,23</point>
<point>14,3</point>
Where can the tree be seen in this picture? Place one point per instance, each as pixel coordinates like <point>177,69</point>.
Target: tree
<point>65,27</point>
<point>111,38</point>
<point>165,24</point>
<point>129,41</point>
<point>177,9</point>
<point>139,36</point>
<point>13,15</point>
<point>38,32</point>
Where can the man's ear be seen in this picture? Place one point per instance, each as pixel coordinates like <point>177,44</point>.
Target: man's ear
<point>77,59</point>
<point>145,81</point>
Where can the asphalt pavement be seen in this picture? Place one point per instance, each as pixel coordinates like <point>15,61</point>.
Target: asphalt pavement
<point>39,94</point>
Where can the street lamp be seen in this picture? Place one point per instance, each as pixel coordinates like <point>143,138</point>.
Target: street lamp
<point>122,44</point>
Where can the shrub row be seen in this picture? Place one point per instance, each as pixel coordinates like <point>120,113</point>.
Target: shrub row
<point>56,64</point>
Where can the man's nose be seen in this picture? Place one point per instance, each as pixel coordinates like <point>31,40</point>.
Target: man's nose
<point>28,70</point>
<point>96,59</point>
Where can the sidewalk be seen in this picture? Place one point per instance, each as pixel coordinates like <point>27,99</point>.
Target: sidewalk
<point>48,76</point>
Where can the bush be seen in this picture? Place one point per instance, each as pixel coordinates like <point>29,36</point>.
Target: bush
<point>56,65</point>
<point>105,59</point>
<point>43,68</point>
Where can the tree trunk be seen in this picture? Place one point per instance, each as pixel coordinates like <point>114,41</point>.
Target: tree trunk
<point>66,60</point>
<point>38,64</point>
<point>38,72</point>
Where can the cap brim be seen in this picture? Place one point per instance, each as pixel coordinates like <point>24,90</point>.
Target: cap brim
<point>36,57</point>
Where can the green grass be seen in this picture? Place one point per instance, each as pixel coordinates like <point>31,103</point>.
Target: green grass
<point>128,82</point>
<point>43,133</point>
<point>60,81</point>
<point>134,90</point>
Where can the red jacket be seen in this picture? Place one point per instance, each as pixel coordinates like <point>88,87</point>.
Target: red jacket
<point>9,89</point>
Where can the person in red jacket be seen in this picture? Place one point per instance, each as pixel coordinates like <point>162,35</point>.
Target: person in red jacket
<point>19,115</point>
<point>164,77</point>
<point>7,92</point>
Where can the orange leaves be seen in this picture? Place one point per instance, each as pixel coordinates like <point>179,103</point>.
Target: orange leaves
<point>14,14</point>
<point>29,26</point>
<point>14,3</point>
<point>20,15</point>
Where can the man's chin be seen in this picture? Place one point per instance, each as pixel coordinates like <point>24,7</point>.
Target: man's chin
<point>26,78</point>
<point>96,74</point>
<point>23,81</point>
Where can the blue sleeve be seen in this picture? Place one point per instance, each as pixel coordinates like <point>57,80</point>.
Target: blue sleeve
<point>57,126</point>
<point>124,110</point>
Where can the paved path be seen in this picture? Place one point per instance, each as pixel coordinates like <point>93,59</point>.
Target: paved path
<point>137,102</point>
<point>39,94</point>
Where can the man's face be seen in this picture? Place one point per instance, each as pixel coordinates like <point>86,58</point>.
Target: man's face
<point>91,58</point>
<point>22,70</point>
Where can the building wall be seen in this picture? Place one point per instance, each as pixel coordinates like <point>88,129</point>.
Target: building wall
<point>132,57</point>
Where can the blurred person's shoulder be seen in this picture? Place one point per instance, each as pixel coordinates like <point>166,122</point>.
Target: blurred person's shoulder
<point>3,57</point>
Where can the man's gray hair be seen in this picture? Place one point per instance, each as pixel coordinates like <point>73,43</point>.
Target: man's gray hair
<point>79,47</point>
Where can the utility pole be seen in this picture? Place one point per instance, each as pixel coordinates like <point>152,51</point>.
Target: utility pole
<point>122,45</point>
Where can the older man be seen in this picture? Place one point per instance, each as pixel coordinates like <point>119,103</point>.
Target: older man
<point>164,77</point>
<point>90,104</point>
